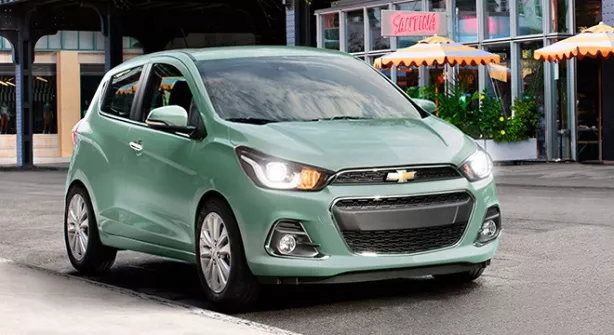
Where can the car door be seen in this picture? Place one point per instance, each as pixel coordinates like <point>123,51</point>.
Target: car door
<point>164,178</point>
<point>107,147</point>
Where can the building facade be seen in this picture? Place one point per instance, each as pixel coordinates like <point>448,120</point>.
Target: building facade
<point>565,93</point>
<point>68,68</point>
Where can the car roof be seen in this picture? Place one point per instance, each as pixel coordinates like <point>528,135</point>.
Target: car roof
<point>230,52</point>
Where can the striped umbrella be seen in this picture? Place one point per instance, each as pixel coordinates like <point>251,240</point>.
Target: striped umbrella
<point>436,50</point>
<point>594,42</point>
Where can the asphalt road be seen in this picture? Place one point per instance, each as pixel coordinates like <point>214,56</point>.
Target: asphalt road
<point>552,275</point>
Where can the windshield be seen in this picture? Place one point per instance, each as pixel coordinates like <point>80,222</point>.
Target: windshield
<point>270,89</point>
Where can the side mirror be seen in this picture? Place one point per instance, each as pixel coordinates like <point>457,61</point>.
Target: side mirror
<point>169,118</point>
<point>427,105</point>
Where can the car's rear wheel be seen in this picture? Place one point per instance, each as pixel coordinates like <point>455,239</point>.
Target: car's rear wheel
<point>461,277</point>
<point>224,274</point>
<point>85,251</point>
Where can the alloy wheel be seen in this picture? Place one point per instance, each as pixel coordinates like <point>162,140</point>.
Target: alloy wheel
<point>215,254</point>
<point>78,226</point>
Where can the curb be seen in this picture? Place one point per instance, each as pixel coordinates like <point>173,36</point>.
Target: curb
<point>162,301</point>
<point>13,168</point>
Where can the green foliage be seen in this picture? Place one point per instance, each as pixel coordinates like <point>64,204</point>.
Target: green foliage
<point>481,115</point>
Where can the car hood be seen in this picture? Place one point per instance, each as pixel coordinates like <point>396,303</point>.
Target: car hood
<point>341,144</point>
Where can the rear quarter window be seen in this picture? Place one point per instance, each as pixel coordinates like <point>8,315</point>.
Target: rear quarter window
<point>120,93</point>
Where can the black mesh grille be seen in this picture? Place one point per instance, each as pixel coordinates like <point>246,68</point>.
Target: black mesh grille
<point>379,177</point>
<point>404,241</point>
<point>404,202</point>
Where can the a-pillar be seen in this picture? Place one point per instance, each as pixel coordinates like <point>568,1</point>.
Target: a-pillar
<point>114,40</point>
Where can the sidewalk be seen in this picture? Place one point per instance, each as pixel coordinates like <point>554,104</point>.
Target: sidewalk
<point>50,163</point>
<point>34,301</point>
<point>556,175</point>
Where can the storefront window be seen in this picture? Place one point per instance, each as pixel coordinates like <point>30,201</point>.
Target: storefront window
<point>587,110</point>
<point>530,18</point>
<point>378,42</point>
<point>43,95</point>
<point>355,31</point>
<point>407,41</point>
<point>500,77</point>
<point>466,21</point>
<point>330,31</point>
<point>588,14</point>
<point>91,76</point>
<point>408,77</point>
<point>497,19</point>
<point>532,74</point>
<point>558,17</point>
<point>437,5</point>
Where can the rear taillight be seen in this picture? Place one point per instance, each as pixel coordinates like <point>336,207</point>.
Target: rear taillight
<point>75,129</point>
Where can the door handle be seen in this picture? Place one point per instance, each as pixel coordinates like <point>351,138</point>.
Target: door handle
<point>136,146</point>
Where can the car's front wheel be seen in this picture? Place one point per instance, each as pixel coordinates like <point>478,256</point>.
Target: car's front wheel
<point>85,251</point>
<point>222,267</point>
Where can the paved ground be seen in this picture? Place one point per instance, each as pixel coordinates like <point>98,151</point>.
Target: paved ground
<point>552,275</point>
<point>35,301</point>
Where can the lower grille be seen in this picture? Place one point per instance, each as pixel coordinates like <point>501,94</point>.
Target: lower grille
<point>403,225</point>
<point>405,240</point>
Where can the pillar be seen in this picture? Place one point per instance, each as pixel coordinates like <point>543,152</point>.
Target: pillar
<point>23,57</point>
<point>68,98</point>
<point>113,42</point>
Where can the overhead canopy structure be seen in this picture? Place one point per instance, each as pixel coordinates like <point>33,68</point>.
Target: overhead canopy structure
<point>436,50</point>
<point>154,23</point>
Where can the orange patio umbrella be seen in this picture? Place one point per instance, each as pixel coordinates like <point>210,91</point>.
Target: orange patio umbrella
<point>594,42</point>
<point>436,50</point>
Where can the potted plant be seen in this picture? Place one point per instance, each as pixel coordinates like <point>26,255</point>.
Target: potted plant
<point>482,117</point>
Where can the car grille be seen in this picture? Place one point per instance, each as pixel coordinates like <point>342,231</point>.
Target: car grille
<point>378,176</point>
<point>404,202</point>
<point>409,240</point>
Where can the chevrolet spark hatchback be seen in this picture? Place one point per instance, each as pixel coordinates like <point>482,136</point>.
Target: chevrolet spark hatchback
<point>275,166</point>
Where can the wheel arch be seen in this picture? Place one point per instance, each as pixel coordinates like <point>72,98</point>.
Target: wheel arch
<point>209,195</point>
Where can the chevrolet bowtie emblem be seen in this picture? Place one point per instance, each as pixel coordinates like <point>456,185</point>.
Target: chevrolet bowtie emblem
<point>401,176</point>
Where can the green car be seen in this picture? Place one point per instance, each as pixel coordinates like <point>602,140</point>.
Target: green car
<point>275,165</point>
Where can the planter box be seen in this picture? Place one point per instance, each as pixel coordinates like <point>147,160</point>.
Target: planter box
<point>510,151</point>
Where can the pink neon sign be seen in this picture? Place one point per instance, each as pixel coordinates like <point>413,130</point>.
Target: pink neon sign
<point>410,23</point>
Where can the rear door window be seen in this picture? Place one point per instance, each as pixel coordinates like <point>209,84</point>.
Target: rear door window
<point>120,93</point>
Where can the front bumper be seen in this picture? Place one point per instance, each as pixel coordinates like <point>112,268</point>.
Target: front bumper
<point>258,209</point>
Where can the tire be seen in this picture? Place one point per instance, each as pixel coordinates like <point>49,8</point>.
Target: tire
<point>241,288</point>
<point>97,258</point>
<point>461,277</point>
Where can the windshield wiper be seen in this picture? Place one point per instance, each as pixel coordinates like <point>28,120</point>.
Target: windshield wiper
<point>343,117</point>
<point>252,120</point>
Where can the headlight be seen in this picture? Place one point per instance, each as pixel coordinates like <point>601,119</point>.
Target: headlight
<point>270,172</point>
<point>477,166</point>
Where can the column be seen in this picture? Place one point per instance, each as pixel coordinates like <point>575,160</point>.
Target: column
<point>23,55</point>
<point>113,42</point>
<point>68,102</point>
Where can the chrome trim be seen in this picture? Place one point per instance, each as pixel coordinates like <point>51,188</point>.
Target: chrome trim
<point>267,245</point>
<point>465,232</point>
<point>333,177</point>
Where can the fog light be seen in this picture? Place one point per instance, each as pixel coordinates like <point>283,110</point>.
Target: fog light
<point>287,244</point>
<point>289,238</point>
<point>489,230</point>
